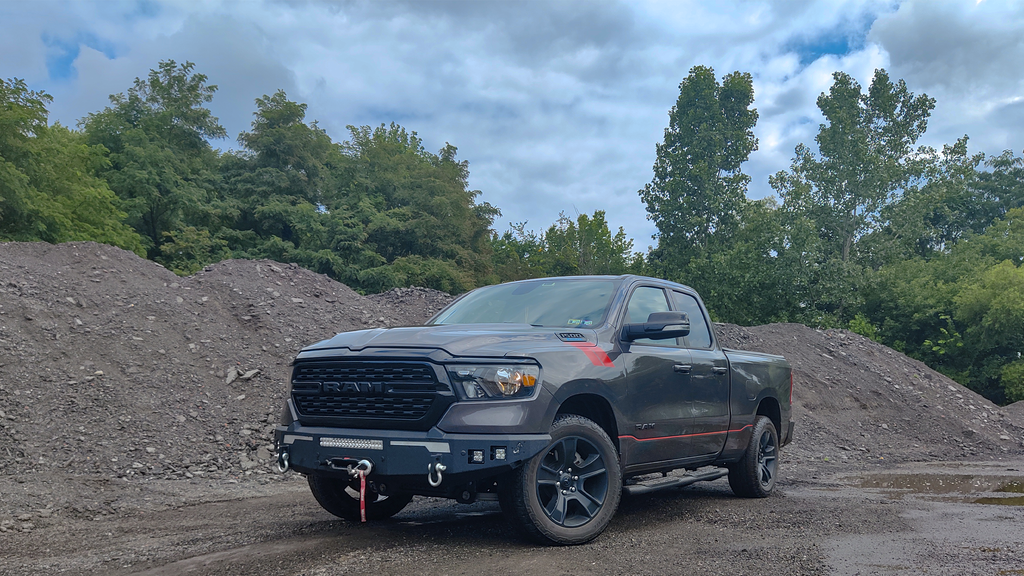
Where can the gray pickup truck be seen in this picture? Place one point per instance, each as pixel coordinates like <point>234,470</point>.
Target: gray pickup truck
<point>552,396</point>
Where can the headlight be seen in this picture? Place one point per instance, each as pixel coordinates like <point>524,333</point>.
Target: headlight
<point>494,381</point>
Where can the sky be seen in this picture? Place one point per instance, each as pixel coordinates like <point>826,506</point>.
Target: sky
<point>556,105</point>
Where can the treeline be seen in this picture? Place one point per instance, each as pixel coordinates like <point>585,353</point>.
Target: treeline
<point>915,247</point>
<point>918,248</point>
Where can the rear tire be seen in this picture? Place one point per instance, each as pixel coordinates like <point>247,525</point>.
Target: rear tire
<point>755,474</point>
<point>568,493</point>
<point>341,497</point>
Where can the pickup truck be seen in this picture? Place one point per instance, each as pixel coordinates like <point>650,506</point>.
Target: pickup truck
<point>553,396</point>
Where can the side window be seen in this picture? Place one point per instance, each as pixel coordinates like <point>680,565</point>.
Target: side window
<point>700,335</point>
<point>645,301</point>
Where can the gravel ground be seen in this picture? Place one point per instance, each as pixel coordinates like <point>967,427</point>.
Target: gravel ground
<point>136,411</point>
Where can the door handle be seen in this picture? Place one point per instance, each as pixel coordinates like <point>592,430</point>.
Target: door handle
<point>684,368</point>
<point>720,370</point>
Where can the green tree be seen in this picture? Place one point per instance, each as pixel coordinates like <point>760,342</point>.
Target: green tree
<point>518,254</point>
<point>698,188</point>
<point>48,187</point>
<point>420,215</point>
<point>161,164</point>
<point>281,197</point>
<point>865,160</point>
<point>587,246</point>
<point>568,248</point>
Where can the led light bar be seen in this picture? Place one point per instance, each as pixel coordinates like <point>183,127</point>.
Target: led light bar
<point>354,443</point>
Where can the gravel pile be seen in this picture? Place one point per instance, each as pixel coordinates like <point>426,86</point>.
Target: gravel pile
<point>116,373</point>
<point>855,401</point>
<point>111,365</point>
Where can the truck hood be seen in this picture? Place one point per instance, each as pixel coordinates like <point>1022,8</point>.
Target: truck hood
<point>481,340</point>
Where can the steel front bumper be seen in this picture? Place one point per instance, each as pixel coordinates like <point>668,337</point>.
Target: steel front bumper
<point>315,449</point>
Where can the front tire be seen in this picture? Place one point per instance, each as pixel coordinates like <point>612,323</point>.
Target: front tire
<point>755,474</point>
<point>341,497</point>
<point>568,493</point>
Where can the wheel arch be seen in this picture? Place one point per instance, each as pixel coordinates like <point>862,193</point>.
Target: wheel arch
<point>770,407</point>
<point>593,407</point>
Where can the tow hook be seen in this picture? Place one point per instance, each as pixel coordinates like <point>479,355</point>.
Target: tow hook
<point>282,461</point>
<point>432,469</point>
<point>362,468</point>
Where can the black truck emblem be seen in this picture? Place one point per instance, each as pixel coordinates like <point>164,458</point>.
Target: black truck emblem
<point>352,387</point>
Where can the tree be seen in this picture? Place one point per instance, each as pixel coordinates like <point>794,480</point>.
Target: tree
<point>698,187</point>
<point>420,215</point>
<point>161,164</point>
<point>280,195</point>
<point>48,185</point>
<point>865,159</point>
<point>568,248</point>
<point>587,246</point>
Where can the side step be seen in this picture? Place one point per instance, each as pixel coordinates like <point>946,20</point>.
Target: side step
<point>638,489</point>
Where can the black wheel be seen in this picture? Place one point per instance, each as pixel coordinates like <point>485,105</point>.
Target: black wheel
<point>341,497</point>
<point>568,493</point>
<point>755,474</point>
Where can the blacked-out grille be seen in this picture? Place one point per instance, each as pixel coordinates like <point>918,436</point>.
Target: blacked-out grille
<point>385,391</point>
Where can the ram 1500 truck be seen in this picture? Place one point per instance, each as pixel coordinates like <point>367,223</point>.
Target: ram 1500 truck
<point>551,396</point>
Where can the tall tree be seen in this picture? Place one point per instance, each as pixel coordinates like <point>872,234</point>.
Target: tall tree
<point>161,163</point>
<point>865,159</point>
<point>698,188</point>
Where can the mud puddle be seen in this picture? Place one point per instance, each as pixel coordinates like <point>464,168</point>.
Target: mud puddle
<point>1003,490</point>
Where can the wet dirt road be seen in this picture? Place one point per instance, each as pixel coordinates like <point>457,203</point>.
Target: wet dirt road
<point>817,523</point>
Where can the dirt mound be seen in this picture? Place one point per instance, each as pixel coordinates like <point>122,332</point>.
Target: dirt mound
<point>113,365</point>
<point>857,400</point>
<point>1016,411</point>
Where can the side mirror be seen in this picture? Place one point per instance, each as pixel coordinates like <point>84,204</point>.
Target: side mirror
<point>659,326</point>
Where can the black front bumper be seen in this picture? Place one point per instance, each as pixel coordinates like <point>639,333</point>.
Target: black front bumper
<point>405,453</point>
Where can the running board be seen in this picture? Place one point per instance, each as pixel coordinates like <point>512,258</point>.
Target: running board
<point>637,489</point>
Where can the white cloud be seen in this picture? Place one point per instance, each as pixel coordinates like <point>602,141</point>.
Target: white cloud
<point>557,106</point>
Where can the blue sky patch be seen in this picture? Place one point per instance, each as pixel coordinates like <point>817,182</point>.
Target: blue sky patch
<point>61,53</point>
<point>839,41</point>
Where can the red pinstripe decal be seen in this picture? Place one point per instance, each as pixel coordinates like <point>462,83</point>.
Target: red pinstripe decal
<point>684,435</point>
<point>597,356</point>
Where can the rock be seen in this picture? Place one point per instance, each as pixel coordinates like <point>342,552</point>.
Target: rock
<point>249,375</point>
<point>263,454</point>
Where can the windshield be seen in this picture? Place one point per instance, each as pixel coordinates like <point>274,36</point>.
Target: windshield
<point>558,303</point>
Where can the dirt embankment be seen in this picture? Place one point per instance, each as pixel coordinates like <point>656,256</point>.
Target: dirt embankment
<point>855,400</point>
<point>113,367</point>
<point>115,372</point>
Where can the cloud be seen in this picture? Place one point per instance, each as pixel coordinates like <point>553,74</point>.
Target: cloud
<point>557,105</point>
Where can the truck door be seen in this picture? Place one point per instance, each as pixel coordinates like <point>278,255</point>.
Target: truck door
<point>658,378</point>
<point>708,388</point>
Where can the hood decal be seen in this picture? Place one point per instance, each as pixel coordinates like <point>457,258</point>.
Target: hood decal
<point>597,356</point>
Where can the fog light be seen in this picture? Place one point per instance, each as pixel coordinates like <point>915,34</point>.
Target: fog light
<point>476,456</point>
<point>497,452</point>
